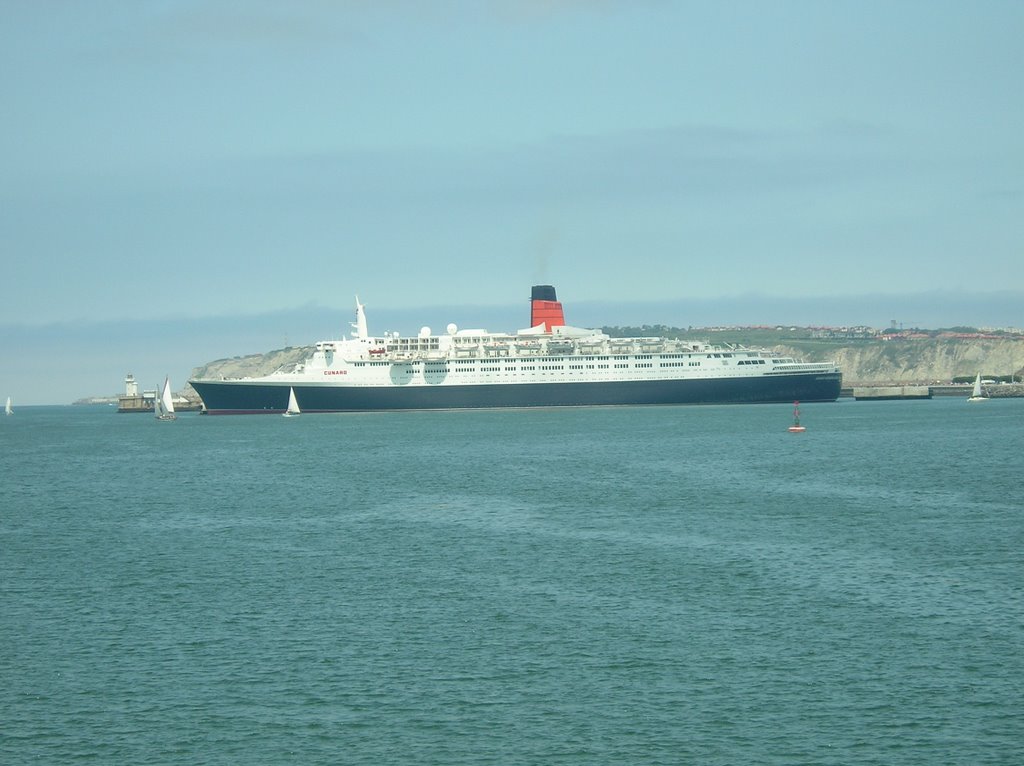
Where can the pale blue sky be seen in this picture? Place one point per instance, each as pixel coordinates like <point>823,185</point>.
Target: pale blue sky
<point>188,163</point>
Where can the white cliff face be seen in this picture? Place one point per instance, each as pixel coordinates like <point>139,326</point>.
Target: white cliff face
<point>254,364</point>
<point>921,361</point>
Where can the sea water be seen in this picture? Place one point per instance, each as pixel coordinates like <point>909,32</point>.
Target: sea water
<point>662,585</point>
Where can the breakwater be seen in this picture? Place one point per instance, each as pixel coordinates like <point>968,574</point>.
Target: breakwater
<point>998,391</point>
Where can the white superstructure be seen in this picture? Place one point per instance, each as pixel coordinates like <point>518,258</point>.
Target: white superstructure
<point>565,354</point>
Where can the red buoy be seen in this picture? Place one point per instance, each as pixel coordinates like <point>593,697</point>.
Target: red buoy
<point>796,428</point>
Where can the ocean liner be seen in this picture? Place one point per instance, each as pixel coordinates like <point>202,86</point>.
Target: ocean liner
<point>549,364</point>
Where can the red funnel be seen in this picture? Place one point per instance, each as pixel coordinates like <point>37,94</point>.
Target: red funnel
<point>545,308</point>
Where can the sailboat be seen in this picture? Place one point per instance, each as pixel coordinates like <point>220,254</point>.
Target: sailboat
<point>977,394</point>
<point>7,409</point>
<point>293,406</point>
<point>164,404</point>
<point>796,428</point>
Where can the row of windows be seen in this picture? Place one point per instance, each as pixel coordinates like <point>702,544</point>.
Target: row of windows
<point>469,364</point>
<point>407,345</point>
<point>441,367</point>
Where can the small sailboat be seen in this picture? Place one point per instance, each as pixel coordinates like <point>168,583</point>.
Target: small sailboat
<point>164,404</point>
<point>293,406</point>
<point>796,428</point>
<point>7,409</point>
<point>978,394</point>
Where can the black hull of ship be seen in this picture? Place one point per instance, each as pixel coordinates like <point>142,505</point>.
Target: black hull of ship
<point>260,397</point>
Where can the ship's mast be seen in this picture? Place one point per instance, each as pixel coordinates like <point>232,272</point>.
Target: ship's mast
<point>360,324</point>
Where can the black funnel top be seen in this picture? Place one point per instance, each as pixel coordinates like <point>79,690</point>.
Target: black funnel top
<point>543,293</point>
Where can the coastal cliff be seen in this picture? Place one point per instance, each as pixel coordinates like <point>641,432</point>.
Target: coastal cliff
<point>254,364</point>
<point>866,362</point>
<point>921,362</point>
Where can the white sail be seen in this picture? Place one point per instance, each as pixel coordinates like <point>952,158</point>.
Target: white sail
<point>165,397</point>
<point>164,404</point>
<point>977,394</point>
<point>293,405</point>
<point>8,409</point>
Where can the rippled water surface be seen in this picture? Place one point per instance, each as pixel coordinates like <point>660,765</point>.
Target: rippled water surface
<point>592,586</point>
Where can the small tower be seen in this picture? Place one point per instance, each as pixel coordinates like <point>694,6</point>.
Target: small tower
<point>131,388</point>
